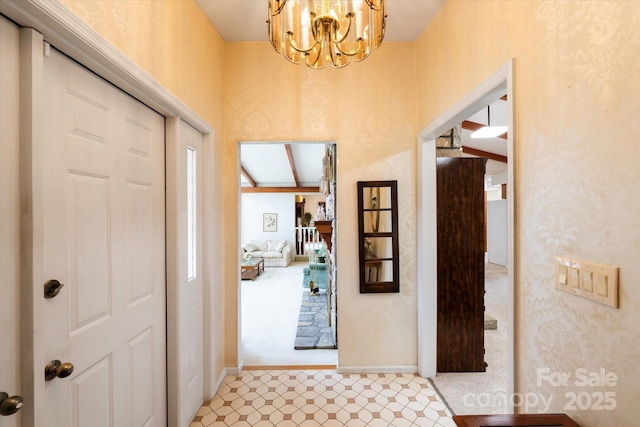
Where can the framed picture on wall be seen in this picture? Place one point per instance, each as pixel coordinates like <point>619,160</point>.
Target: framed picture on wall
<point>269,222</point>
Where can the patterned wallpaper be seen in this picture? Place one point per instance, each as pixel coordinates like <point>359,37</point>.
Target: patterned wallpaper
<point>171,40</point>
<point>577,102</point>
<point>369,109</point>
<point>576,98</point>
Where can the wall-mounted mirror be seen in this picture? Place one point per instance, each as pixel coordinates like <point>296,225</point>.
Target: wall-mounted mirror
<point>378,233</point>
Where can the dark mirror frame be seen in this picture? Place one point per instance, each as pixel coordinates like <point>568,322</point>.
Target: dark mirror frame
<point>365,214</point>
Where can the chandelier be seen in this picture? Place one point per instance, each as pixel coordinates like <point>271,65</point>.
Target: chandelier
<point>317,32</point>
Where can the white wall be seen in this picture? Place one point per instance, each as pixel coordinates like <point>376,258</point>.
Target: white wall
<point>497,232</point>
<point>494,193</point>
<point>253,205</point>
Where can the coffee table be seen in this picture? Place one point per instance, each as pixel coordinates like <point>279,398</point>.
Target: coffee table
<point>250,268</point>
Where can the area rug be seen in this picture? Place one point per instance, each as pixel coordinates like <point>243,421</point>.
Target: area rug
<point>314,331</point>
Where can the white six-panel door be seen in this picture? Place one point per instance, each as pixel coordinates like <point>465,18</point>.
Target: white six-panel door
<point>103,238</point>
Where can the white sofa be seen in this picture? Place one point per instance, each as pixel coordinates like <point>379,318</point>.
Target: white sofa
<point>276,253</point>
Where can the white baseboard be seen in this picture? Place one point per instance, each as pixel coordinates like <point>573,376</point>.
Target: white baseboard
<point>225,373</point>
<point>409,369</point>
<point>219,381</point>
<point>232,371</point>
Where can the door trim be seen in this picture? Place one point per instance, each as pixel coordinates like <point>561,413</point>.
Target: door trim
<point>31,228</point>
<point>500,81</point>
<point>239,347</point>
<point>183,409</point>
<point>10,181</point>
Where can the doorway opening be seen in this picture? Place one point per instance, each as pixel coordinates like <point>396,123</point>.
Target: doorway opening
<point>472,268</point>
<point>491,90</point>
<point>286,191</point>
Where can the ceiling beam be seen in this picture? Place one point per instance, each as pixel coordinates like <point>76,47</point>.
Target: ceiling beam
<point>247,176</point>
<point>473,126</point>
<point>481,153</point>
<point>295,189</point>
<point>292,163</point>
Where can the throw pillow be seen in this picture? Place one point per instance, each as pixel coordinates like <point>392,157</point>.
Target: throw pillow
<point>271,245</point>
<point>281,245</point>
<point>261,245</point>
<point>249,247</point>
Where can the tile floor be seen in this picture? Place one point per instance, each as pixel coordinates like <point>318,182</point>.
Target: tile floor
<point>324,398</point>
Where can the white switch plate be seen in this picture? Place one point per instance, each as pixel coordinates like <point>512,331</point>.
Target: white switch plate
<point>597,282</point>
<point>587,281</point>
<point>574,279</point>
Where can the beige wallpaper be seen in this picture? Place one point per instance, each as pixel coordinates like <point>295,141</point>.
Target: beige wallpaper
<point>171,40</point>
<point>369,109</point>
<point>577,106</point>
<point>577,160</point>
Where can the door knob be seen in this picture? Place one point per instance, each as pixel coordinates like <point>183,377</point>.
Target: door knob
<point>9,405</point>
<point>55,368</point>
<point>51,288</point>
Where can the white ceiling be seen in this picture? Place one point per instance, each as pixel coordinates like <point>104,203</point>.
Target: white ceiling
<point>246,20</point>
<point>498,118</point>
<point>268,163</point>
<point>492,145</point>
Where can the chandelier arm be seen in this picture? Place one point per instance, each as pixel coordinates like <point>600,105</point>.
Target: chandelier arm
<point>293,44</point>
<point>350,16</point>
<point>317,35</point>
<point>277,11</point>
<point>315,61</point>
<point>355,52</point>
<point>373,6</point>
<point>333,60</point>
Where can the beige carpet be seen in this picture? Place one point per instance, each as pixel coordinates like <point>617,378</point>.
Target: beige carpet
<point>484,392</point>
<point>270,306</point>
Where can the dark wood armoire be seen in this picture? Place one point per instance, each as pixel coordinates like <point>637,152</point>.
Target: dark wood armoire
<point>461,241</point>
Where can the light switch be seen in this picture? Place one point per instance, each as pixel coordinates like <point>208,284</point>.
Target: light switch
<point>573,278</point>
<point>602,287</point>
<point>587,281</point>
<point>562,274</point>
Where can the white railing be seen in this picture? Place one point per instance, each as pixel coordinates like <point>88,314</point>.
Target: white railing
<point>307,239</point>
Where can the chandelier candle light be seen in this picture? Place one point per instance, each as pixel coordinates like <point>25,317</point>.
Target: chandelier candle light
<point>317,32</point>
